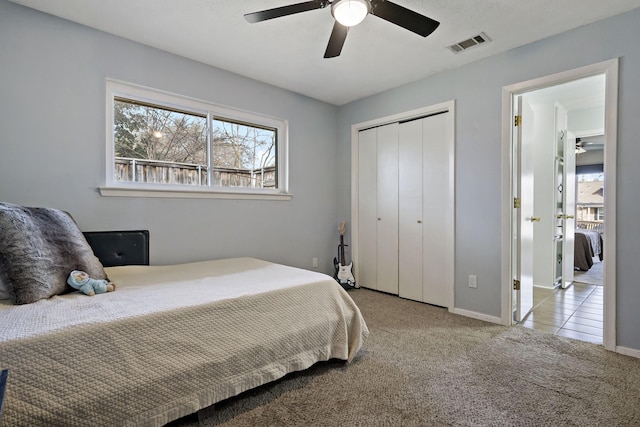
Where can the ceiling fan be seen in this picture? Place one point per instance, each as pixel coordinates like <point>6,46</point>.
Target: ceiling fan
<point>348,13</point>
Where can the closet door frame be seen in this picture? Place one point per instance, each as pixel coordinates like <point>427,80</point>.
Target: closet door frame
<point>448,106</point>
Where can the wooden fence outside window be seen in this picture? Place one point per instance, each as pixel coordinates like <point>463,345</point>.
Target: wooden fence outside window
<point>163,172</point>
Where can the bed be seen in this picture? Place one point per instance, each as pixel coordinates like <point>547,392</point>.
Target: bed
<point>170,341</point>
<point>588,244</point>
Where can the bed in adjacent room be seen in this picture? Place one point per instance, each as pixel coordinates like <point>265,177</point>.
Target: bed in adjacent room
<point>171,340</point>
<point>587,244</point>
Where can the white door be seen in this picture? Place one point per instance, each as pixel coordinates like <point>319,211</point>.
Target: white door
<point>410,210</point>
<point>366,265</point>
<point>569,225</point>
<point>523,216</point>
<point>426,212</point>
<point>567,207</point>
<point>377,264</point>
<point>387,208</point>
<point>438,209</point>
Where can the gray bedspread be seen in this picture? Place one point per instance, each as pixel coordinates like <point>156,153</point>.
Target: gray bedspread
<point>155,368</point>
<point>588,244</point>
<point>583,253</point>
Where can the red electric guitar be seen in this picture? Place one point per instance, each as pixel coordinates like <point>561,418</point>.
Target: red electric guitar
<point>343,272</point>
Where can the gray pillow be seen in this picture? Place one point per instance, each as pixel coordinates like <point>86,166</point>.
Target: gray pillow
<point>39,247</point>
<point>4,290</point>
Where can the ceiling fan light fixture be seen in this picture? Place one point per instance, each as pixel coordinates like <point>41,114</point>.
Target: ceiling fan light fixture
<point>350,12</point>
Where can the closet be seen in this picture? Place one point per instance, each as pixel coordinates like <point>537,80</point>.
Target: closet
<point>405,208</point>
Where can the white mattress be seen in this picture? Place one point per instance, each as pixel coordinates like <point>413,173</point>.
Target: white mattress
<point>170,341</point>
<point>148,289</point>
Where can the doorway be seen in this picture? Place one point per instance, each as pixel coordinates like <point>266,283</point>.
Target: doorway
<point>538,236</point>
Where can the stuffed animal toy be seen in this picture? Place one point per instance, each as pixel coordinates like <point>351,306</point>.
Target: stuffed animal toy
<point>88,286</point>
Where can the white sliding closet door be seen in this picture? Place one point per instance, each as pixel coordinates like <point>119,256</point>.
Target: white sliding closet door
<point>410,210</point>
<point>387,208</point>
<point>405,209</point>
<point>377,262</point>
<point>366,264</point>
<point>425,210</point>
<point>438,208</point>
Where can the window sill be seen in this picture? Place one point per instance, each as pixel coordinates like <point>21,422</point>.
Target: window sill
<point>190,194</point>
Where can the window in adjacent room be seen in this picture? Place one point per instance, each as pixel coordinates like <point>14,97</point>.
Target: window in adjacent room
<point>164,143</point>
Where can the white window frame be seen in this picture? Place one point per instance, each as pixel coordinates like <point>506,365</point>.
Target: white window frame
<point>120,89</point>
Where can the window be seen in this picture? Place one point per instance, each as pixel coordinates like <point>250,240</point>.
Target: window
<point>168,145</point>
<point>244,155</point>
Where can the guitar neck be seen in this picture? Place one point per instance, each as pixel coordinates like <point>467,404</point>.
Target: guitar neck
<point>342,259</point>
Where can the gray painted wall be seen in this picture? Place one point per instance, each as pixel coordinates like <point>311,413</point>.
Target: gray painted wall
<point>477,90</point>
<point>52,145</point>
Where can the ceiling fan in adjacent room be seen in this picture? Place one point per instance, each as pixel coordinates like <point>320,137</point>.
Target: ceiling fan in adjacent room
<point>348,13</point>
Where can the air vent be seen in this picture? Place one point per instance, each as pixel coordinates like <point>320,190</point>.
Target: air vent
<point>466,44</point>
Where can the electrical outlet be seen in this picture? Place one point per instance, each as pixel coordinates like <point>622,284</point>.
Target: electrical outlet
<point>315,262</point>
<point>473,281</point>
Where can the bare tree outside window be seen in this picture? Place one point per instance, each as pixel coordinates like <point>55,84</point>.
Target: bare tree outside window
<point>244,148</point>
<point>155,144</point>
<point>159,145</point>
<point>154,133</point>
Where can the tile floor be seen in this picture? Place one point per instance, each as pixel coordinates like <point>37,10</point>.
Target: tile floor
<point>575,312</point>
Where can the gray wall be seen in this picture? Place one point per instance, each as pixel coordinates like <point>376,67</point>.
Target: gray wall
<point>52,145</point>
<point>477,90</point>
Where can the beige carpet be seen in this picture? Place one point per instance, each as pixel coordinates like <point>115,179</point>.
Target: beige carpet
<point>422,366</point>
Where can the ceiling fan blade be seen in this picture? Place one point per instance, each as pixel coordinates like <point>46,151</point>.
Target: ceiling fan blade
<point>277,12</point>
<point>403,17</point>
<point>336,41</point>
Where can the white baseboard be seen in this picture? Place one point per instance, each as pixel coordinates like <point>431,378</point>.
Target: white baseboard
<point>628,351</point>
<point>473,314</point>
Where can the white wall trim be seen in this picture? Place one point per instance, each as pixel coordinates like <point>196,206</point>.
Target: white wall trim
<point>407,115</point>
<point>475,315</point>
<point>610,70</point>
<point>628,351</point>
<point>610,185</point>
<point>506,276</point>
<point>186,193</point>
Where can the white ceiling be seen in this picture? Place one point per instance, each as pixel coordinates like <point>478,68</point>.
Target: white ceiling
<point>288,52</point>
<point>588,92</point>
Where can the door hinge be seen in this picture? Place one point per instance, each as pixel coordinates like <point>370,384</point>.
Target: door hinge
<point>516,202</point>
<point>517,120</point>
<point>516,284</point>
